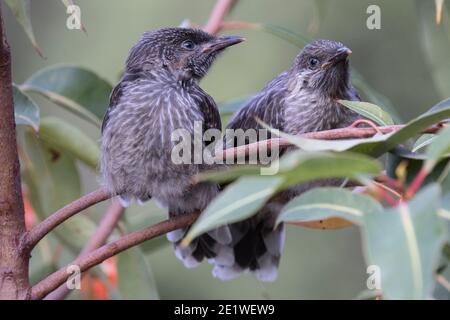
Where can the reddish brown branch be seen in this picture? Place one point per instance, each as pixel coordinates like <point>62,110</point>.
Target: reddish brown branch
<point>219,12</point>
<point>54,220</point>
<point>56,279</point>
<point>102,233</point>
<point>14,282</point>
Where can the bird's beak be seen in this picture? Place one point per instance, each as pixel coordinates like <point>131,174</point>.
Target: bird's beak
<point>341,55</point>
<point>221,43</point>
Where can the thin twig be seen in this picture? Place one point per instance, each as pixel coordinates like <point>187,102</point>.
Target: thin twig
<point>105,228</point>
<point>38,232</point>
<point>219,12</point>
<point>99,255</point>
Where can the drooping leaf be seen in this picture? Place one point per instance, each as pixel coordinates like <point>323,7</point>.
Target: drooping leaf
<point>323,203</point>
<point>405,243</point>
<point>237,202</point>
<point>294,38</point>
<point>435,41</point>
<point>53,181</point>
<point>369,111</point>
<point>64,136</point>
<point>135,278</point>
<point>76,89</point>
<point>26,111</point>
<point>21,10</point>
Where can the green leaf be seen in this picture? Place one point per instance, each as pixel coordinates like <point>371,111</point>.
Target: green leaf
<point>369,111</point>
<point>411,129</point>
<point>423,141</point>
<point>435,41</point>
<point>323,203</point>
<point>299,166</point>
<point>21,10</point>
<point>64,136</point>
<point>438,149</point>
<point>26,111</point>
<point>372,95</point>
<point>74,88</point>
<point>405,243</point>
<point>53,181</point>
<point>238,201</point>
<point>135,278</point>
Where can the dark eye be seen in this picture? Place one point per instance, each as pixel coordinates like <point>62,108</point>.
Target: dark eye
<point>188,44</point>
<point>313,63</point>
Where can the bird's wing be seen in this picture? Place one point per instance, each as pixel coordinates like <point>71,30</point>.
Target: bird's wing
<point>266,106</point>
<point>116,94</point>
<point>210,112</point>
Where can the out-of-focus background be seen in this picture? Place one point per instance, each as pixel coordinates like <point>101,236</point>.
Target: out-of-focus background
<point>315,264</point>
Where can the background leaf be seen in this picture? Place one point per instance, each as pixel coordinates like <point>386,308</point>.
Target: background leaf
<point>26,111</point>
<point>435,41</point>
<point>76,89</point>
<point>53,181</point>
<point>405,243</point>
<point>64,136</point>
<point>21,10</point>
<point>135,279</point>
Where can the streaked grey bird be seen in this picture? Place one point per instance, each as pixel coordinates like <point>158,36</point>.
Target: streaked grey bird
<point>301,99</point>
<point>159,93</point>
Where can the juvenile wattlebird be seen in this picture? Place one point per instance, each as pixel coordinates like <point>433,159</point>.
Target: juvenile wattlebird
<point>301,99</point>
<point>158,94</point>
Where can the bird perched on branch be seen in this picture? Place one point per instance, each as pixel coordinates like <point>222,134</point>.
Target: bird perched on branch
<point>158,94</point>
<point>301,99</point>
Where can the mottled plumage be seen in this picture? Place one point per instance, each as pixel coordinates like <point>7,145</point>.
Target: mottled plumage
<point>159,93</point>
<point>301,99</point>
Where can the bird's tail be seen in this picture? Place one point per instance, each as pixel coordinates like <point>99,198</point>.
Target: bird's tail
<point>251,245</point>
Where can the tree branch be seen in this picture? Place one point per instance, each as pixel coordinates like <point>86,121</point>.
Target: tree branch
<point>219,12</point>
<point>102,233</point>
<point>41,289</point>
<point>14,282</point>
<point>38,232</point>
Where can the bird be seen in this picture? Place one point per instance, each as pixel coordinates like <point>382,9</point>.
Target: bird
<point>158,94</point>
<point>300,99</point>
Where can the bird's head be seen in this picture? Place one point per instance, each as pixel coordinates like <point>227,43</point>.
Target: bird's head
<point>186,53</point>
<point>323,65</point>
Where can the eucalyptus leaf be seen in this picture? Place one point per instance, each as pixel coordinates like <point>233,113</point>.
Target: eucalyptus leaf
<point>21,10</point>
<point>439,148</point>
<point>64,136</point>
<point>135,278</point>
<point>435,41</point>
<point>26,111</point>
<point>239,200</point>
<point>323,203</point>
<point>53,181</point>
<point>405,244</point>
<point>78,90</point>
<point>369,111</point>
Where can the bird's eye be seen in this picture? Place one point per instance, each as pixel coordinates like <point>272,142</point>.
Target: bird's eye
<point>313,63</point>
<point>188,44</point>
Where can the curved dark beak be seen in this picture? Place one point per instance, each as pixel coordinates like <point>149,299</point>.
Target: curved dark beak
<point>341,55</point>
<point>221,43</point>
